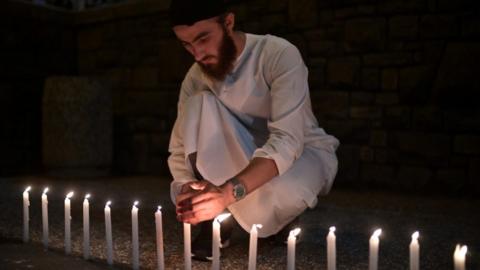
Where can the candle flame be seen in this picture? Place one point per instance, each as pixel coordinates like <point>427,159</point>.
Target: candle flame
<point>135,203</point>
<point>222,217</point>
<point>28,189</point>
<point>108,204</point>
<point>461,251</point>
<point>295,232</point>
<point>45,190</point>
<point>87,196</point>
<point>332,229</point>
<point>415,236</point>
<point>377,233</point>
<point>70,194</point>
<point>159,208</point>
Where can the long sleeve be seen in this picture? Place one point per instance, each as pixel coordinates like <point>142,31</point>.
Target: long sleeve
<point>181,172</point>
<point>289,100</point>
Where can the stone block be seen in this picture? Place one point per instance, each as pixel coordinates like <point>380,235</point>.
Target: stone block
<point>439,26</point>
<point>474,174</point>
<point>343,71</point>
<point>387,59</point>
<point>427,118</point>
<point>349,131</point>
<point>378,138</point>
<point>452,179</point>
<point>471,26</point>
<point>348,164</point>
<point>402,6</point>
<point>397,117</point>
<point>378,175</point>
<point>403,27</point>
<point>365,112</point>
<point>362,98</point>
<point>90,39</point>
<point>415,84</point>
<point>467,144</point>
<point>424,144</point>
<point>303,13</point>
<point>323,48</point>
<point>366,154</point>
<point>413,178</point>
<point>386,98</point>
<point>365,34</point>
<point>462,120</point>
<point>145,78</point>
<point>389,79</point>
<point>370,78</point>
<point>330,104</point>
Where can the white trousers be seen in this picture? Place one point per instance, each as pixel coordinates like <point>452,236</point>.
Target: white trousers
<point>224,147</point>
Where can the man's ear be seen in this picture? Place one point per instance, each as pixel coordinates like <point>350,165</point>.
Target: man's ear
<point>230,21</point>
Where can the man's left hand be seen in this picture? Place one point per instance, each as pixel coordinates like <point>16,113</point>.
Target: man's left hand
<point>207,204</point>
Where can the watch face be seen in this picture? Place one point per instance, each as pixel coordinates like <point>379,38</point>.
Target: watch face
<point>239,191</point>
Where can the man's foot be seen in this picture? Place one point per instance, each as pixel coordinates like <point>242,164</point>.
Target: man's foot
<point>202,244</point>
<point>282,236</point>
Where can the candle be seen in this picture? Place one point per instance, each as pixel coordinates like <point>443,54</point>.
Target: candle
<point>414,252</point>
<point>135,257</point>
<point>187,252</point>
<point>252,257</point>
<point>45,217</point>
<point>216,241</point>
<point>26,214</point>
<point>86,227</point>
<point>292,238</point>
<point>459,257</point>
<point>159,230</point>
<point>108,233</point>
<point>331,250</point>
<point>374,243</point>
<point>68,240</point>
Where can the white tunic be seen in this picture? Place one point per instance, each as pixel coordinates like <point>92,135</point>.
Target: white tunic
<point>261,109</point>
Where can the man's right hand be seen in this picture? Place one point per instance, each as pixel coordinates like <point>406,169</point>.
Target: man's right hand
<point>187,191</point>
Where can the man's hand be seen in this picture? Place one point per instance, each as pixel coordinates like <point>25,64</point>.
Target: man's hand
<point>204,201</point>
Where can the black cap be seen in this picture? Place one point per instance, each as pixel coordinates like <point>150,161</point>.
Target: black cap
<point>188,12</point>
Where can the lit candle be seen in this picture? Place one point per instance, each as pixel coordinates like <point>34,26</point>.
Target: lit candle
<point>26,214</point>
<point>159,230</point>
<point>331,250</point>
<point>86,227</point>
<point>414,252</point>
<point>292,239</point>
<point>68,240</point>
<point>108,232</point>
<point>45,217</point>
<point>216,240</point>
<point>374,244</point>
<point>252,257</point>
<point>187,245</point>
<point>459,257</point>
<point>135,256</point>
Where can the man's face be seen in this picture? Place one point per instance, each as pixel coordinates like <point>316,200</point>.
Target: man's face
<point>210,44</point>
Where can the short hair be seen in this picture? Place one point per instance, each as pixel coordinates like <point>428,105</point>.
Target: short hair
<point>188,12</point>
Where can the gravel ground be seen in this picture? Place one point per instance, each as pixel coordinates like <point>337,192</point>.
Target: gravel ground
<point>442,222</point>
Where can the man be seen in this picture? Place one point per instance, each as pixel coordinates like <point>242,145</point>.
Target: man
<point>245,138</point>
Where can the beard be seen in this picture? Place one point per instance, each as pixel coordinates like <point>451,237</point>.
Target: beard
<point>226,58</point>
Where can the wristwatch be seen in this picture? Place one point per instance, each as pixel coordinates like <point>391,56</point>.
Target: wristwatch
<point>239,190</point>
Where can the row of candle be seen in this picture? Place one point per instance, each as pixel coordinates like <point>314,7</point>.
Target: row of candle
<point>374,242</point>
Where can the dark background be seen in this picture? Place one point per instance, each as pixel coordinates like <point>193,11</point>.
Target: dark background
<point>394,80</point>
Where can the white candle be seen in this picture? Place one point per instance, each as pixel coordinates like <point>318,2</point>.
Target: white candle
<point>459,257</point>
<point>252,257</point>
<point>374,245</point>
<point>159,230</point>
<point>86,227</point>
<point>414,252</point>
<point>26,215</point>
<point>216,240</point>
<point>135,255</point>
<point>68,240</point>
<point>292,239</point>
<point>187,242</point>
<point>331,250</point>
<point>45,217</point>
<point>108,233</point>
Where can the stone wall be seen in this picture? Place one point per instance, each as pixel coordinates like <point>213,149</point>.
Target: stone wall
<point>393,80</point>
<point>34,43</point>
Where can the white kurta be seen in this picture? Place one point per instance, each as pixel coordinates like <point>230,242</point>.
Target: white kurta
<point>262,109</point>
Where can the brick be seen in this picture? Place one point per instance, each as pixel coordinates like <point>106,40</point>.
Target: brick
<point>380,175</point>
<point>302,13</point>
<point>403,27</point>
<point>402,6</point>
<point>423,144</point>
<point>414,84</point>
<point>467,144</point>
<point>365,34</point>
<point>145,78</point>
<point>389,79</point>
<point>365,112</point>
<point>343,71</point>
<point>362,98</point>
<point>387,59</point>
<point>462,120</point>
<point>378,138</point>
<point>330,104</point>
<point>452,179</point>
<point>386,98</point>
<point>397,117</point>
<point>427,118</point>
<point>413,178</point>
<point>349,162</point>
<point>366,154</point>
<point>439,26</point>
<point>370,78</point>
<point>474,174</point>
